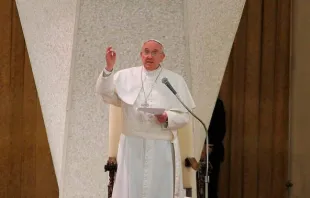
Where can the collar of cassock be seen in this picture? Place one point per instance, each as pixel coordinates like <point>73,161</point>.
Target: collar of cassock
<point>152,73</point>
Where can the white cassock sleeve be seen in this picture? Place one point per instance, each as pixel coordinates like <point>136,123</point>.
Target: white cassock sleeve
<point>177,120</point>
<point>106,89</point>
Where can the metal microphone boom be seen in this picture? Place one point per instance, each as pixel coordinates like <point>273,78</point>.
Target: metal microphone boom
<point>167,83</point>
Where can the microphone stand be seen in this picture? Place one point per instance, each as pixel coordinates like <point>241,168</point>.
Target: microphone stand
<point>207,143</point>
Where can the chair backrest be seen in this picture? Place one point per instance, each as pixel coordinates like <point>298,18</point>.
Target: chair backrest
<point>185,136</point>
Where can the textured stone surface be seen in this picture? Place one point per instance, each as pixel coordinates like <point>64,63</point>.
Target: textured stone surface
<point>211,26</point>
<point>48,28</point>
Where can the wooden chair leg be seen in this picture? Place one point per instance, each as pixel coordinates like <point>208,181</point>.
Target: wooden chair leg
<point>111,167</point>
<point>200,168</point>
<point>200,178</point>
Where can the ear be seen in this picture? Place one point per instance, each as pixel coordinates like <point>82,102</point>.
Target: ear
<point>163,56</point>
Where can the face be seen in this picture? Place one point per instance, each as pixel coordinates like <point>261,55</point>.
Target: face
<point>152,55</point>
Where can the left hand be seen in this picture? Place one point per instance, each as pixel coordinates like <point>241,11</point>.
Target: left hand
<point>162,118</point>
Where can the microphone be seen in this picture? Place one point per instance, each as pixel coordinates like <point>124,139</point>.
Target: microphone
<point>167,83</point>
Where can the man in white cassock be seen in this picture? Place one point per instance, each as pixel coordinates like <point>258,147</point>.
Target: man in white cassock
<point>148,156</point>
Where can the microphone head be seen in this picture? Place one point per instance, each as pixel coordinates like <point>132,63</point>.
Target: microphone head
<point>164,80</point>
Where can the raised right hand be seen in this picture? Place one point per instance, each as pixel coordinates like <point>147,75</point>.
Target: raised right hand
<point>110,58</point>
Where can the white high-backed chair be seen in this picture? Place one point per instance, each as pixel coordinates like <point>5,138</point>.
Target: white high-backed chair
<point>185,136</point>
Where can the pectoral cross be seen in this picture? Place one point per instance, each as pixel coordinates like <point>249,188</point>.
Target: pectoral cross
<point>145,104</point>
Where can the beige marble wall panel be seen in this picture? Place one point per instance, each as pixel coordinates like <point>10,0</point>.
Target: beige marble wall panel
<point>211,26</point>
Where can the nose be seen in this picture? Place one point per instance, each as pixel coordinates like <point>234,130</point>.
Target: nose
<point>149,55</point>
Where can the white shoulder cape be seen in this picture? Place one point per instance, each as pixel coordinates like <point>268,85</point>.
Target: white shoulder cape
<point>128,86</point>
